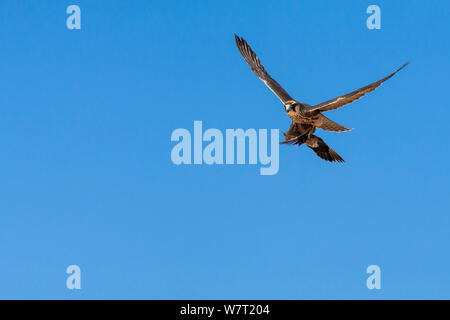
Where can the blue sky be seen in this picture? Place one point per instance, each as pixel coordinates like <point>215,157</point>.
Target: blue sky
<point>86,176</point>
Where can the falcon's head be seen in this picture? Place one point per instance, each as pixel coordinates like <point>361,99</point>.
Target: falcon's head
<point>290,106</point>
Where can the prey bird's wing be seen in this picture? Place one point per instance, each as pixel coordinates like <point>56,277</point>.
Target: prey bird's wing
<point>352,96</point>
<point>323,150</point>
<point>259,70</point>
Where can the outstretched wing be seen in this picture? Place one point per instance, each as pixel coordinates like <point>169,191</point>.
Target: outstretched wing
<point>352,96</point>
<point>259,70</point>
<point>323,150</point>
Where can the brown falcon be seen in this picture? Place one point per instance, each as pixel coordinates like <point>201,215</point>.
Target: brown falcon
<point>306,118</point>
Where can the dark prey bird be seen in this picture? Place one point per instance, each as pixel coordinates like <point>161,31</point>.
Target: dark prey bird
<point>306,118</point>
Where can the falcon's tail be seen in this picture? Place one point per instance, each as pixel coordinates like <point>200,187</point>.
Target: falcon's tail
<point>326,124</point>
<point>323,150</point>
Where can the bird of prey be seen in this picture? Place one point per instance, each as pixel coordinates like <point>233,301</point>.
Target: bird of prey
<point>306,118</point>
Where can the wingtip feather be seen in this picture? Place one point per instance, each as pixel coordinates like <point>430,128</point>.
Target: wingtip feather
<point>404,65</point>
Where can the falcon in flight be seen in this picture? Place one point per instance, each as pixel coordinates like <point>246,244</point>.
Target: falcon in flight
<point>306,118</point>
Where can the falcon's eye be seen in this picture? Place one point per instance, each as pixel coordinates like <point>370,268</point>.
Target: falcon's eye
<point>290,107</point>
